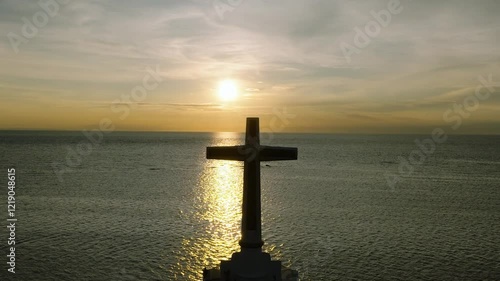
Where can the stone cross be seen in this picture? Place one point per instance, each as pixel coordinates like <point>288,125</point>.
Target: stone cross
<point>252,153</point>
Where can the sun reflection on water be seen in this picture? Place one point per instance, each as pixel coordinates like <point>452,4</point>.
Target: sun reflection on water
<point>217,212</point>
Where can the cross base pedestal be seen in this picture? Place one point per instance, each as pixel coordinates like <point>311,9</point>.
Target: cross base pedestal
<point>250,265</point>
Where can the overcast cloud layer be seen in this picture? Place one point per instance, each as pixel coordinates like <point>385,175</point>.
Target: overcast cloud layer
<point>282,53</point>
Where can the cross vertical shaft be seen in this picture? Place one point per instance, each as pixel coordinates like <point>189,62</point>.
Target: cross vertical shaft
<point>251,233</point>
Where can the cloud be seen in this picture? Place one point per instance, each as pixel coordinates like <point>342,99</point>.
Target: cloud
<point>96,51</point>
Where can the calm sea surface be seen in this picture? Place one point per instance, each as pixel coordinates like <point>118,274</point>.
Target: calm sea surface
<point>149,206</point>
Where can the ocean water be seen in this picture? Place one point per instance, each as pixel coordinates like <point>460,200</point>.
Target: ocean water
<point>149,206</point>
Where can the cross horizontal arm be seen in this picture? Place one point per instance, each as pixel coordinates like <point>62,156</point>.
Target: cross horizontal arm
<point>244,152</point>
<point>277,153</point>
<point>235,153</point>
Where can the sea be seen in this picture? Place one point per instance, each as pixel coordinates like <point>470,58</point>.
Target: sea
<point>150,206</point>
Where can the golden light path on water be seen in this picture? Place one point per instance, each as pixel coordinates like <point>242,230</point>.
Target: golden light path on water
<point>218,196</point>
<point>215,217</point>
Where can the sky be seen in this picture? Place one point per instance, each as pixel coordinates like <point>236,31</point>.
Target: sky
<point>341,66</point>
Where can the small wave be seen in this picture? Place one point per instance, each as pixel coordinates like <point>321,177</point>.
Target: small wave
<point>479,162</point>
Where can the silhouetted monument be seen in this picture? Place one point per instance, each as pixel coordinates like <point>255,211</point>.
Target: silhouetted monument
<point>251,263</point>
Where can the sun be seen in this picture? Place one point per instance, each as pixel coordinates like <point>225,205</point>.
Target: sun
<point>228,90</point>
